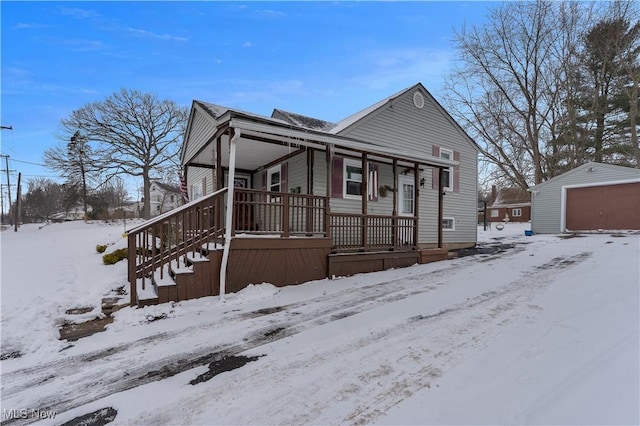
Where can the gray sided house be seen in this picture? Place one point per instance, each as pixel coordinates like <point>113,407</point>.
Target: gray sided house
<point>591,197</point>
<point>390,186</point>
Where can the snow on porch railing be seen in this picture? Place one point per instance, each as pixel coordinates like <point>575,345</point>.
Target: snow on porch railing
<point>155,244</point>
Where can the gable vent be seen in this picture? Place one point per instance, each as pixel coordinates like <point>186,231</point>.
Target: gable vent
<point>418,100</point>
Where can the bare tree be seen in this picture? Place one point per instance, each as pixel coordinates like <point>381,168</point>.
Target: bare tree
<point>76,161</point>
<point>568,146</point>
<point>42,200</point>
<point>134,134</point>
<point>500,91</point>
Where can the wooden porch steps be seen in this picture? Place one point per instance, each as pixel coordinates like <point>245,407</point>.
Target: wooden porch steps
<point>193,276</point>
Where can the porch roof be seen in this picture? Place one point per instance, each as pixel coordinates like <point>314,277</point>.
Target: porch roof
<point>264,140</point>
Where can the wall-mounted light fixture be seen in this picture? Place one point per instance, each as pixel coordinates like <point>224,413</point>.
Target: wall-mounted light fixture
<point>422,182</point>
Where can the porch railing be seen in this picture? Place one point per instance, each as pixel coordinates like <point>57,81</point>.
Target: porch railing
<point>162,243</point>
<point>154,245</point>
<point>358,232</point>
<point>284,214</point>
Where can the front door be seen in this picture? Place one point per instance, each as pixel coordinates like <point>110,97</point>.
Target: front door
<point>406,195</point>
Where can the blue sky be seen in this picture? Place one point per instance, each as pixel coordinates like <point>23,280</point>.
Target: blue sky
<point>322,59</point>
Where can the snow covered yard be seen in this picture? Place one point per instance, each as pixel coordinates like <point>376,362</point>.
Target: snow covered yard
<point>544,332</point>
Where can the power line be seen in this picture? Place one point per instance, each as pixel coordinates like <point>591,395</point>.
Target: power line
<point>27,162</point>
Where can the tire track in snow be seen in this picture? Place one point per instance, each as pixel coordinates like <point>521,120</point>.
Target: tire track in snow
<point>24,378</point>
<point>376,387</point>
<point>98,381</point>
<point>94,371</point>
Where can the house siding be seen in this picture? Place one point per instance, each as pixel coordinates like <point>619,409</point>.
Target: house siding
<point>547,197</point>
<point>401,125</point>
<point>202,127</point>
<point>382,206</point>
<point>196,175</point>
<point>297,173</point>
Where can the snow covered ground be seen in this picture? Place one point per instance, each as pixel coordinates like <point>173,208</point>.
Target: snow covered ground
<point>545,332</point>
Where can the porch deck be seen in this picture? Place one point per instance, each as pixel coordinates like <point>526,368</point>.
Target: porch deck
<point>281,238</point>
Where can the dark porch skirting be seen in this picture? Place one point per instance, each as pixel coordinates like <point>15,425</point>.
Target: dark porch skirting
<point>279,261</point>
<point>345,264</point>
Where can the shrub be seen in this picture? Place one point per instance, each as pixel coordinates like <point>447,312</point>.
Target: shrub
<point>114,257</point>
<point>100,248</point>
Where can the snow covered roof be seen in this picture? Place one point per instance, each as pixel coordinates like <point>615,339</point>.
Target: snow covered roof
<point>303,121</point>
<point>167,187</point>
<point>217,111</point>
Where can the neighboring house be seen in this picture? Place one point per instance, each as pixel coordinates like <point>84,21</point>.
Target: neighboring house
<point>390,186</point>
<point>163,197</point>
<point>593,196</point>
<point>75,213</point>
<point>509,204</point>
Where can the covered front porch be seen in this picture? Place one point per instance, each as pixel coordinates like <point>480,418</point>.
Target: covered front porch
<point>266,227</point>
<point>261,157</point>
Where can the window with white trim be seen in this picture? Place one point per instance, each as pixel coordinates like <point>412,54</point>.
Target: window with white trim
<point>274,179</point>
<point>406,195</point>
<point>449,223</point>
<point>352,182</point>
<point>447,183</point>
<point>495,213</point>
<point>516,212</point>
<point>196,191</point>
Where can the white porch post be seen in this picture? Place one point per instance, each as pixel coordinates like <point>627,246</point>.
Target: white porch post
<point>229,215</point>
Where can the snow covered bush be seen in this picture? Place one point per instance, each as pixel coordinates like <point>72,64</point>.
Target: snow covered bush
<point>114,257</point>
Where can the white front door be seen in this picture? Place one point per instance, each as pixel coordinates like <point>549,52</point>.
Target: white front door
<point>406,195</point>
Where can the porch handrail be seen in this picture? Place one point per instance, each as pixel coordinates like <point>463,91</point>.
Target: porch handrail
<point>176,211</point>
<point>153,245</point>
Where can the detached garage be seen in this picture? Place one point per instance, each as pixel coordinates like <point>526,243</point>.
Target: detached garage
<point>591,197</point>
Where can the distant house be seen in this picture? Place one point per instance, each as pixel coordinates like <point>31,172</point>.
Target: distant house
<point>163,197</point>
<point>513,204</point>
<point>593,196</point>
<point>293,198</point>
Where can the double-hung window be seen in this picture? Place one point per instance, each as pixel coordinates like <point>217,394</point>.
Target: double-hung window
<point>352,179</point>
<point>516,212</point>
<point>274,179</point>
<point>196,191</point>
<point>447,183</point>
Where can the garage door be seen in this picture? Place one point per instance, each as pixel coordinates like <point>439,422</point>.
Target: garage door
<point>603,207</point>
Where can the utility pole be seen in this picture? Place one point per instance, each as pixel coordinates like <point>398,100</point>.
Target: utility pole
<point>6,159</point>
<point>16,222</point>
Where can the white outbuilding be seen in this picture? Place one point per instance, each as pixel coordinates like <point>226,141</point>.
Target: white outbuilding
<point>591,197</point>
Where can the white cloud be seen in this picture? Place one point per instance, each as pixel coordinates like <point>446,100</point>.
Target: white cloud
<point>270,13</point>
<point>78,13</point>
<point>388,67</point>
<point>152,35</point>
<point>29,26</point>
<point>247,44</point>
